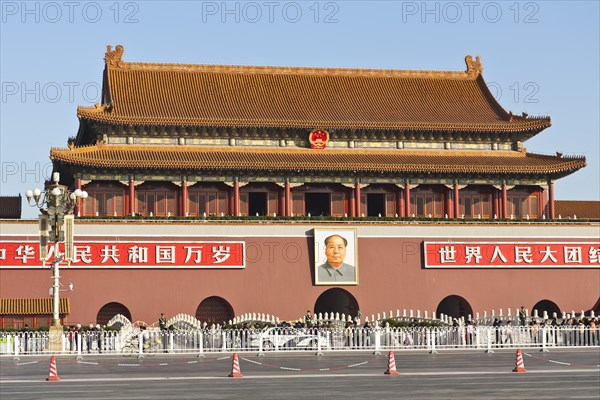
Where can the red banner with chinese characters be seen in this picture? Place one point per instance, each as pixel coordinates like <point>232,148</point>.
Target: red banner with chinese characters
<point>511,255</point>
<point>131,255</point>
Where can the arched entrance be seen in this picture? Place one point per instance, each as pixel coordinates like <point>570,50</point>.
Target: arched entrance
<point>336,300</point>
<point>546,305</point>
<point>596,307</point>
<point>109,310</point>
<point>455,307</point>
<point>214,310</point>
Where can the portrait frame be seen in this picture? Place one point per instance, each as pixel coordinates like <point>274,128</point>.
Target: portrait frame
<point>324,275</point>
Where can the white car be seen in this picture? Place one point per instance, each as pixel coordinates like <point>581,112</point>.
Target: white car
<point>285,338</point>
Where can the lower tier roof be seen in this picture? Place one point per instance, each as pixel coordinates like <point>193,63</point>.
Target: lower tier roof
<point>238,158</point>
<point>32,306</point>
<point>582,209</point>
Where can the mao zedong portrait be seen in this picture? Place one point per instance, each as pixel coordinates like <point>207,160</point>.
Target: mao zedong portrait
<point>335,269</point>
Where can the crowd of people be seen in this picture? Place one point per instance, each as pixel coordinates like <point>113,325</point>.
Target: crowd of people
<point>556,333</point>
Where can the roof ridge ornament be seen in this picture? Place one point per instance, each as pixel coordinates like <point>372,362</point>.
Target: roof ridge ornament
<point>514,118</point>
<point>113,57</point>
<point>474,68</point>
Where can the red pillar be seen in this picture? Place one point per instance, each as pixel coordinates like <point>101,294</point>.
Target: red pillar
<point>131,197</point>
<point>399,204</point>
<point>78,207</point>
<point>504,202</point>
<point>407,200</point>
<point>456,201</point>
<point>402,207</point>
<point>357,198</point>
<point>282,202</point>
<point>236,198</point>
<point>494,202</point>
<point>551,200</point>
<point>447,207</point>
<point>499,203</point>
<point>288,199</point>
<point>184,198</point>
<point>352,204</point>
<point>541,198</point>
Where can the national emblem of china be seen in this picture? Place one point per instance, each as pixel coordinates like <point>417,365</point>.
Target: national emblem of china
<point>318,139</point>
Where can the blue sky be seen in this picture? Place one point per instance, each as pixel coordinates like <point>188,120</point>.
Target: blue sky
<point>540,57</point>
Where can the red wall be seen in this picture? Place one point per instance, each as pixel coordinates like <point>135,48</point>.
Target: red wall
<point>391,276</point>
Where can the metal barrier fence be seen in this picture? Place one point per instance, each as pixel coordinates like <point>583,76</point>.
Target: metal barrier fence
<point>286,339</point>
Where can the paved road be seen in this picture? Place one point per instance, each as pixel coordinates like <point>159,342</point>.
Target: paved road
<point>475,375</point>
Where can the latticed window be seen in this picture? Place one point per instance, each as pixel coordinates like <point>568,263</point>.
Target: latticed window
<point>338,201</point>
<point>427,204</point>
<point>475,205</point>
<point>298,203</point>
<point>522,205</point>
<point>156,202</point>
<point>209,202</point>
<point>104,203</point>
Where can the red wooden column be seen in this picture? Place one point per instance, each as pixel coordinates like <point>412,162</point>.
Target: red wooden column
<point>494,202</point>
<point>504,202</point>
<point>352,204</point>
<point>551,199</point>
<point>131,197</point>
<point>79,200</point>
<point>499,202</point>
<point>541,201</point>
<point>230,201</point>
<point>399,203</point>
<point>447,206</point>
<point>407,199</point>
<point>402,209</point>
<point>288,199</point>
<point>357,198</point>
<point>281,202</point>
<point>236,198</point>
<point>184,198</point>
<point>456,201</point>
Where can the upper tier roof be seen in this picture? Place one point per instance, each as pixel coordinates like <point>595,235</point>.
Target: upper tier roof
<point>330,160</point>
<point>215,95</point>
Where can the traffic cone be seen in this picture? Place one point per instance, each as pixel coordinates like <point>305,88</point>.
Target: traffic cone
<point>391,365</point>
<point>520,367</point>
<point>235,368</point>
<point>53,375</point>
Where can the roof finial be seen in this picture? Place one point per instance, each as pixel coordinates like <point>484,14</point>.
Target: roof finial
<point>113,57</point>
<point>473,67</point>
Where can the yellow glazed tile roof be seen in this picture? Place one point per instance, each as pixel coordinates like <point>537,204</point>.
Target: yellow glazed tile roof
<point>32,306</point>
<point>583,209</point>
<point>299,159</point>
<point>216,95</point>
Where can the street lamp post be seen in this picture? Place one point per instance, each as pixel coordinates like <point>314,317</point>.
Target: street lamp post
<point>56,221</point>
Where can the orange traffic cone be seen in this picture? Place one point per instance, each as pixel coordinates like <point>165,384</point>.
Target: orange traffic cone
<point>53,375</point>
<point>235,368</point>
<point>391,365</point>
<point>520,367</point>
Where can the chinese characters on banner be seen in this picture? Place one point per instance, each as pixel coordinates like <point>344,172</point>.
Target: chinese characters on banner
<point>511,255</point>
<point>131,255</point>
